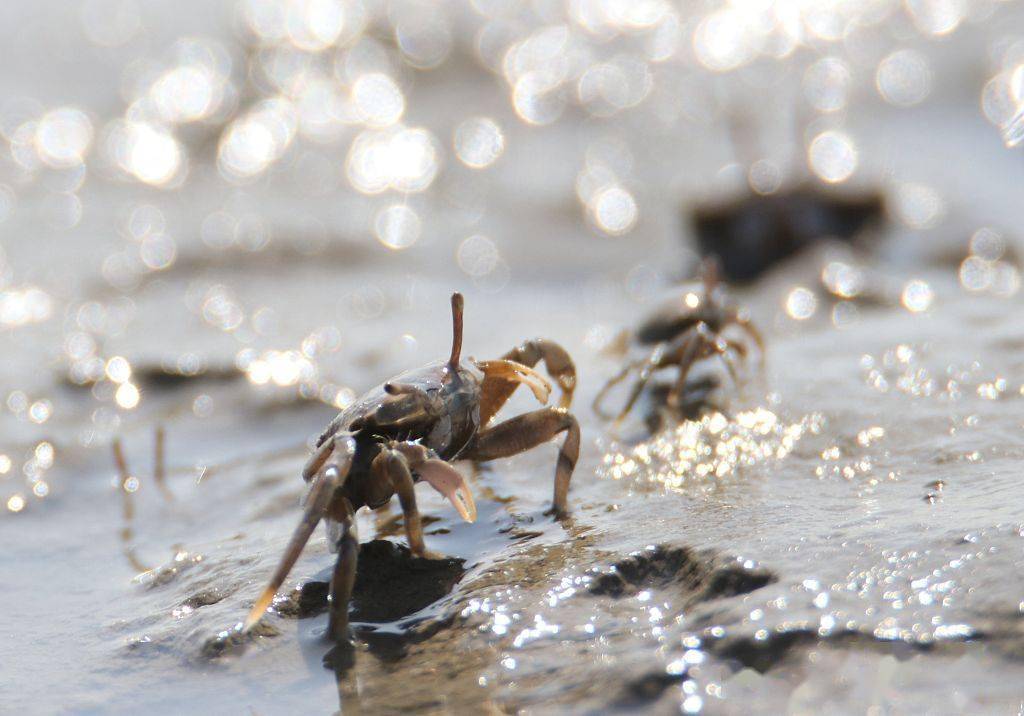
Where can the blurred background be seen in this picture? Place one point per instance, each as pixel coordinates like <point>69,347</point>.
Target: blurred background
<point>222,221</point>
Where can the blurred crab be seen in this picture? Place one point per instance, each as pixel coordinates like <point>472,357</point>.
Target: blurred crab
<point>408,430</point>
<point>689,327</point>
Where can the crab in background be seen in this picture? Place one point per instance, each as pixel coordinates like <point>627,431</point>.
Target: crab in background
<point>697,322</point>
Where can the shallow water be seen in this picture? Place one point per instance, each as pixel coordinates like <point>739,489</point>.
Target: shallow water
<point>845,535</point>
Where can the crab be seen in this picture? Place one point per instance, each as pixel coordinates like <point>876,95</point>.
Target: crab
<point>409,430</point>
<point>691,326</point>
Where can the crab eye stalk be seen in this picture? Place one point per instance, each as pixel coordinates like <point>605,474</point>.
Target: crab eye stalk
<point>457,307</point>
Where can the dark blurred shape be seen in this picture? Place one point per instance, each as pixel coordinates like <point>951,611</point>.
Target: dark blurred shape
<point>695,575</point>
<point>391,584</point>
<point>234,641</point>
<point>752,234</point>
<point>162,377</point>
<point>694,402</point>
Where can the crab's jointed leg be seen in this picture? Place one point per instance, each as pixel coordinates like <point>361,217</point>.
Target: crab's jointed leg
<point>611,383</point>
<point>654,362</point>
<point>344,576</point>
<point>683,351</point>
<point>526,431</point>
<point>323,451</point>
<point>333,467</point>
<point>392,466</point>
<point>711,344</point>
<point>160,464</point>
<point>743,322</point>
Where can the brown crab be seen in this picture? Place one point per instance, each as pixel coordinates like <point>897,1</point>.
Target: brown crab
<point>689,327</point>
<point>408,430</point>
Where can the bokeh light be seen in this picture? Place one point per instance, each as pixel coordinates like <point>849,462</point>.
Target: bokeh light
<point>397,226</point>
<point>801,303</point>
<point>479,142</point>
<point>904,78</point>
<point>614,209</point>
<point>917,296</point>
<point>378,100</point>
<point>832,155</point>
<point>146,152</point>
<point>63,136</point>
<point>402,159</point>
<point>827,84</point>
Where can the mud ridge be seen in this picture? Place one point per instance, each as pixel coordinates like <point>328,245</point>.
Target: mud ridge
<point>702,575</point>
<point>391,585</point>
<point>778,649</point>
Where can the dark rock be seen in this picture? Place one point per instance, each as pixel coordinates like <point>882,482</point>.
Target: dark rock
<point>701,575</point>
<point>647,688</point>
<point>204,598</point>
<point>234,640</point>
<point>390,584</point>
<point>752,234</point>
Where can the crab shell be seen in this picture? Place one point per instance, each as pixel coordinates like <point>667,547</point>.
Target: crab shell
<point>679,311</point>
<point>435,405</point>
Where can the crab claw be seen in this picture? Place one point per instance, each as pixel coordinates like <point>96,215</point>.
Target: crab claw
<point>449,482</point>
<point>515,372</point>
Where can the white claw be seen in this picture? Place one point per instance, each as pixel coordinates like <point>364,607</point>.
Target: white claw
<point>449,482</point>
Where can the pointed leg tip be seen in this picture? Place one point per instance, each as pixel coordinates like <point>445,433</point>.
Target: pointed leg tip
<point>558,514</point>
<point>258,610</point>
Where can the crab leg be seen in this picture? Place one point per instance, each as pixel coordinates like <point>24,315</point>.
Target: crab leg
<point>392,466</point>
<point>159,464</point>
<point>738,347</point>
<point>679,388</point>
<point>711,343</point>
<point>335,467</point>
<point>741,320</point>
<point>611,383</point>
<point>128,507</point>
<point>319,456</point>
<point>523,432</point>
<point>497,390</point>
<point>683,351</point>
<point>344,576</point>
<point>653,363</point>
<point>559,364</point>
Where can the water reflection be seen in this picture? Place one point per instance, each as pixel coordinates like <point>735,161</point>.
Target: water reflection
<point>713,447</point>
